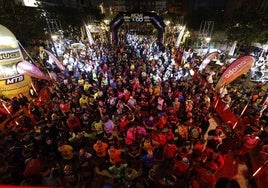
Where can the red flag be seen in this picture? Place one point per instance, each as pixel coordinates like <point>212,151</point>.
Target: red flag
<point>236,69</point>
<point>44,95</point>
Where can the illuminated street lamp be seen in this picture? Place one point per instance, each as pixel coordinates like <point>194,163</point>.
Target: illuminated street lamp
<point>167,22</point>
<point>30,3</point>
<point>207,39</point>
<point>106,21</point>
<point>54,37</point>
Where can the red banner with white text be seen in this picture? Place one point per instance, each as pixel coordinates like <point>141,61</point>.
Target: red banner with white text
<point>236,69</point>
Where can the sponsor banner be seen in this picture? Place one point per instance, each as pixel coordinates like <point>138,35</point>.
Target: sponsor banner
<point>24,67</point>
<point>8,55</point>
<point>58,63</point>
<point>236,69</point>
<point>206,61</point>
<point>226,114</point>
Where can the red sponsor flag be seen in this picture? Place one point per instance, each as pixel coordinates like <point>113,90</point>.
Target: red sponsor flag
<point>43,96</point>
<point>236,69</point>
<point>206,61</point>
<point>58,63</point>
<point>24,67</point>
<point>226,114</point>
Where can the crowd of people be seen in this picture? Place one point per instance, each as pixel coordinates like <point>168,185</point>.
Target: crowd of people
<point>136,114</point>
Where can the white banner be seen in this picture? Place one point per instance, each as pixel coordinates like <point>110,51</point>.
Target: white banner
<point>178,42</point>
<point>232,49</point>
<point>89,36</point>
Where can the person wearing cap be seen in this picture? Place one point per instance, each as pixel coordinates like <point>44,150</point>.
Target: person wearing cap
<point>66,151</point>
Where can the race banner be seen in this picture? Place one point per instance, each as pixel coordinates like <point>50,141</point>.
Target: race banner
<point>58,63</point>
<point>24,67</point>
<point>236,69</point>
<point>206,61</point>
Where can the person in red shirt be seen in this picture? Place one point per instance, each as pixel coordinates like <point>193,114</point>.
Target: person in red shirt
<point>74,123</point>
<point>32,169</point>
<point>170,135</point>
<point>170,150</point>
<point>122,125</point>
<point>100,148</point>
<point>250,141</point>
<point>160,138</point>
<point>65,106</point>
<point>161,121</point>
<point>114,155</point>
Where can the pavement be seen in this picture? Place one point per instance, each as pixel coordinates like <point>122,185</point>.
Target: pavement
<point>233,168</point>
<point>242,170</point>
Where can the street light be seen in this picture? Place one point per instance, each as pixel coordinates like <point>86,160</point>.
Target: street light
<point>106,21</point>
<point>167,22</point>
<point>207,39</point>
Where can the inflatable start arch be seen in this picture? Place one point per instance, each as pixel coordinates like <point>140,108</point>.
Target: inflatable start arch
<point>147,17</point>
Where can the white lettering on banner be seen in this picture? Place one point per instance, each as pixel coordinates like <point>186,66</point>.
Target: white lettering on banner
<point>137,17</point>
<point>146,18</point>
<point>126,18</point>
<point>14,80</point>
<point>235,69</point>
<point>10,55</point>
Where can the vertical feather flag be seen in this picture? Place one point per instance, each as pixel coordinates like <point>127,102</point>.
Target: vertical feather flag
<point>89,36</point>
<point>24,67</point>
<point>178,42</point>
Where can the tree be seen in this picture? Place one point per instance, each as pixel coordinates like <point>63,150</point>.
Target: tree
<point>247,25</point>
<point>26,23</point>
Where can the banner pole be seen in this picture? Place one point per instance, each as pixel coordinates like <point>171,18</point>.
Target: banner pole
<point>26,52</point>
<point>243,111</point>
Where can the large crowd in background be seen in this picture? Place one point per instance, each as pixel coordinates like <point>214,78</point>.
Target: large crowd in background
<point>136,114</point>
